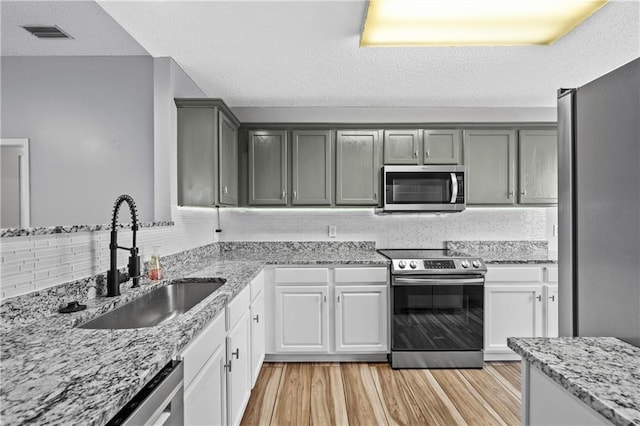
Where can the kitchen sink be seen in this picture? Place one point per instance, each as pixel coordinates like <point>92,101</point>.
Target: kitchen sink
<point>157,306</point>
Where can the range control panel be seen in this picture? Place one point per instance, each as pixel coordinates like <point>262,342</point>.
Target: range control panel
<point>438,266</point>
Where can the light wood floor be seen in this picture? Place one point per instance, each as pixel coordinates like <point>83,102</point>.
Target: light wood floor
<point>374,394</point>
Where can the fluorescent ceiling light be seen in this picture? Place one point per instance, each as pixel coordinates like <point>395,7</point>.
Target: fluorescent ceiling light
<point>472,22</point>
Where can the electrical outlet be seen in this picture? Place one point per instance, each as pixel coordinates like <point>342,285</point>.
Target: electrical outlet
<point>333,231</point>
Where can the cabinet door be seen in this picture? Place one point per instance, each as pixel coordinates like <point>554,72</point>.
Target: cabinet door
<point>268,167</point>
<point>361,318</point>
<point>442,146</point>
<point>551,314</point>
<point>257,336</point>
<point>511,311</point>
<point>239,373</point>
<point>301,319</point>
<point>401,147</point>
<point>228,164</point>
<point>358,163</point>
<point>205,398</point>
<point>489,156</point>
<point>538,171</point>
<point>197,156</point>
<point>311,167</point>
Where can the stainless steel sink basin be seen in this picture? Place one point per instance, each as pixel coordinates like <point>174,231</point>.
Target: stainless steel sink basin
<point>157,306</point>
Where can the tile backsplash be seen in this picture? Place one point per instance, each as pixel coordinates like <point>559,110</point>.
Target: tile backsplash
<point>36,262</point>
<point>389,230</point>
<point>33,263</point>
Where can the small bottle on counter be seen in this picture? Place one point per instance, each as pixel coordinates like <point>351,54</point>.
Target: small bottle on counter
<point>155,268</point>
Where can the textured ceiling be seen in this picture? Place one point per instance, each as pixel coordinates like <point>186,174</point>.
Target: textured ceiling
<point>305,53</point>
<point>94,32</point>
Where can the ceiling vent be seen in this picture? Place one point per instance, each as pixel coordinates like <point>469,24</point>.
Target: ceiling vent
<point>42,31</point>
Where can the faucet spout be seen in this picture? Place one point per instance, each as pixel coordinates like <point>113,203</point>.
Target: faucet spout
<point>114,277</point>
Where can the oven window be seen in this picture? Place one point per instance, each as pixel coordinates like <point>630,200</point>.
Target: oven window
<point>418,188</point>
<point>437,318</point>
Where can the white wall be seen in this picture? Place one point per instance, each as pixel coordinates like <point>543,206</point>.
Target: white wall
<point>89,121</point>
<point>389,231</point>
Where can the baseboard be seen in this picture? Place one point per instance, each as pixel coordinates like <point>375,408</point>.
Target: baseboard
<point>326,357</point>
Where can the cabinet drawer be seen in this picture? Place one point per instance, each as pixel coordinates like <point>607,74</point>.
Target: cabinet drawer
<point>361,275</point>
<point>257,284</point>
<point>238,306</point>
<point>517,274</point>
<point>196,354</point>
<point>302,275</point>
<point>552,274</point>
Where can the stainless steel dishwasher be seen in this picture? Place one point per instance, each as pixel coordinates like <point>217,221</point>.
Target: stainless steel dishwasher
<point>160,402</point>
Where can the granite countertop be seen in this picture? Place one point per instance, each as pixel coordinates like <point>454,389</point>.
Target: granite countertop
<point>603,372</point>
<point>505,252</point>
<point>55,373</point>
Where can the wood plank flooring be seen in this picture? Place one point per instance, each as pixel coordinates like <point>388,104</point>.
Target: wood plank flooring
<point>374,394</point>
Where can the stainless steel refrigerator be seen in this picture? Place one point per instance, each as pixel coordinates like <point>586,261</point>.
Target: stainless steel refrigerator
<point>599,206</point>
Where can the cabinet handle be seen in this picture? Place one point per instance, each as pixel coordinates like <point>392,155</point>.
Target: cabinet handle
<point>415,154</point>
<point>427,154</point>
<point>338,299</point>
<point>227,366</point>
<point>236,353</point>
<point>325,299</point>
<point>284,194</point>
<point>552,297</point>
<point>539,297</point>
<point>523,193</point>
<point>375,195</point>
<point>295,194</point>
<point>509,194</point>
<point>256,318</point>
<point>225,190</point>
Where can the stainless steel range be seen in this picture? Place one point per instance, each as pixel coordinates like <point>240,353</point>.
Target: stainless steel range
<point>437,309</point>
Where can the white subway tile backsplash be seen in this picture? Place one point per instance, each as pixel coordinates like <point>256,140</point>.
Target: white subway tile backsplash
<point>36,262</point>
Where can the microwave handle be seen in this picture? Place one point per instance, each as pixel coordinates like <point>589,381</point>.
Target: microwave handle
<point>454,188</point>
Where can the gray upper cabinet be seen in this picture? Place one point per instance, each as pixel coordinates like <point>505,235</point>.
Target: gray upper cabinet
<point>538,166</point>
<point>267,167</point>
<point>311,167</point>
<point>228,152</point>
<point>207,153</point>
<point>441,146</point>
<point>197,156</point>
<point>490,160</point>
<point>401,147</point>
<point>358,163</point>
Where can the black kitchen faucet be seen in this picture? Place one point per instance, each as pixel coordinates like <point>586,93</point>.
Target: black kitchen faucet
<point>114,277</point>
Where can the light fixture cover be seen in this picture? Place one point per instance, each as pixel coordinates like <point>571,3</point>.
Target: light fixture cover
<point>472,22</point>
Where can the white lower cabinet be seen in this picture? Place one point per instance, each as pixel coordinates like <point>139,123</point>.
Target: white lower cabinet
<point>361,318</point>
<point>205,398</point>
<point>328,311</point>
<point>511,311</point>
<point>204,376</point>
<point>257,336</point>
<point>301,318</point>
<point>520,301</point>
<point>239,369</point>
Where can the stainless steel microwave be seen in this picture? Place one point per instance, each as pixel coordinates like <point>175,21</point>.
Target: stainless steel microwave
<point>423,188</point>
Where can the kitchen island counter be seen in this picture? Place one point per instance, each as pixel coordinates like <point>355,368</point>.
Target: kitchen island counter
<point>601,372</point>
<point>55,373</point>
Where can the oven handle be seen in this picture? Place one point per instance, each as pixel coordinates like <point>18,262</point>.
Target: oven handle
<point>437,281</point>
<point>454,188</point>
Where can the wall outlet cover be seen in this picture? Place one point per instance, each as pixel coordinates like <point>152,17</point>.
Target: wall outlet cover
<point>333,231</point>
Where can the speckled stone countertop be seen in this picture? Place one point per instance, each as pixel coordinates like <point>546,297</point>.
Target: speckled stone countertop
<point>55,373</point>
<point>504,252</point>
<point>603,372</point>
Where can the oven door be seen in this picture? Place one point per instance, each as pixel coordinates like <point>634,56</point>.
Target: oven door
<point>437,313</point>
<point>427,188</point>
